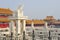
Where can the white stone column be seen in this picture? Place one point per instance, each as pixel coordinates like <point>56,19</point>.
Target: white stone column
<point>24,25</point>
<point>18,26</point>
<point>46,25</point>
<point>24,30</point>
<point>11,26</point>
<point>32,25</point>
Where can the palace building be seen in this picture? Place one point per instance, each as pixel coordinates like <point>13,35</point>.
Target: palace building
<point>16,22</point>
<point>4,21</point>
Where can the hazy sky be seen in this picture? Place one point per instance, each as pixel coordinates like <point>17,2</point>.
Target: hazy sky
<point>35,9</point>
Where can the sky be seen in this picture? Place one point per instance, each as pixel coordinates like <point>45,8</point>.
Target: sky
<point>35,9</point>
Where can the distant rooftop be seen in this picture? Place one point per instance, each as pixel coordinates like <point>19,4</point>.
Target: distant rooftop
<point>49,18</point>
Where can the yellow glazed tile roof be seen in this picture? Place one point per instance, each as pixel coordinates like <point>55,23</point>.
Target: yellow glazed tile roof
<point>5,11</point>
<point>38,22</point>
<point>35,21</point>
<point>28,21</point>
